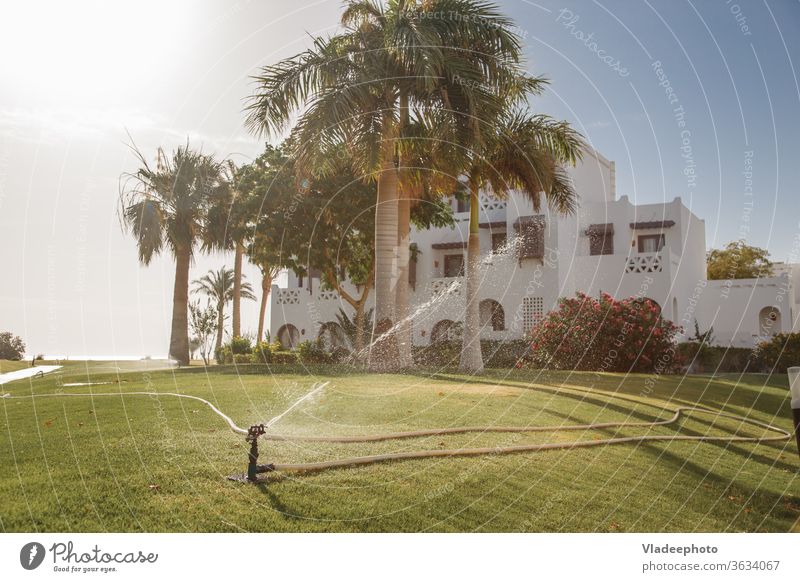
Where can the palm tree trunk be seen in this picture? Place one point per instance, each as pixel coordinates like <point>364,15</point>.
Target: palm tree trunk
<point>179,338</point>
<point>220,325</point>
<point>471,356</point>
<point>404,326</point>
<point>383,355</point>
<point>237,290</point>
<point>266,287</point>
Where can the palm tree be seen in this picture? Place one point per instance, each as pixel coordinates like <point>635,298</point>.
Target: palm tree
<point>219,287</point>
<point>358,89</point>
<point>525,153</point>
<point>167,207</point>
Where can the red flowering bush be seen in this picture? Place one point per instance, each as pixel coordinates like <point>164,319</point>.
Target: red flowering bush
<point>606,335</point>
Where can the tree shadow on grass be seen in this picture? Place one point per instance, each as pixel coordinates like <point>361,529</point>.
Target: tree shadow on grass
<point>582,396</point>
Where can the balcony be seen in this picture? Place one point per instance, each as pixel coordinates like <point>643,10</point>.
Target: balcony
<point>446,285</point>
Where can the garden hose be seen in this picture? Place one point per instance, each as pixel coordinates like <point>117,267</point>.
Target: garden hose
<point>463,452</point>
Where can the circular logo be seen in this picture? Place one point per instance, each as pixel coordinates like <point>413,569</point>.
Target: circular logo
<point>31,555</point>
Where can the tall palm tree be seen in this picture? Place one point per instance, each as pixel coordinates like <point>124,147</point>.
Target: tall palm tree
<point>219,287</point>
<point>166,207</point>
<point>358,87</point>
<point>526,153</point>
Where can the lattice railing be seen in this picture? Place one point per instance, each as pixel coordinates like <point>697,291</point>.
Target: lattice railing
<point>288,297</point>
<point>448,285</point>
<point>328,296</point>
<point>644,263</point>
<point>489,203</point>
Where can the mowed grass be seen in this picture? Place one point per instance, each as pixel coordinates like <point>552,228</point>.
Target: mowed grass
<point>140,463</point>
<point>13,365</point>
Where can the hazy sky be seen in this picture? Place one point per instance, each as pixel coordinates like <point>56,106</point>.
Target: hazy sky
<point>76,77</point>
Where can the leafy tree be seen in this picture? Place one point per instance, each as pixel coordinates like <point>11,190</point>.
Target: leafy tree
<point>265,186</point>
<point>738,261</point>
<point>359,89</point>
<point>219,287</point>
<point>167,207</point>
<point>203,322</point>
<point>11,347</point>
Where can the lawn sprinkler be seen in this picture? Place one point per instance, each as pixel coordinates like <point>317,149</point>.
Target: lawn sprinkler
<point>253,468</point>
<point>794,390</point>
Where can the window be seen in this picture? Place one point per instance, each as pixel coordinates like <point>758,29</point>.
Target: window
<point>462,204</point>
<point>531,232</point>
<point>532,312</point>
<point>601,239</point>
<point>651,243</point>
<point>454,265</point>
<point>498,242</point>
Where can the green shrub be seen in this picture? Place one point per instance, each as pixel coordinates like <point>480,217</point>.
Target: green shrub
<point>240,345</point>
<point>310,352</point>
<point>242,358</point>
<point>779,353</point>
<point>701,358</point>
<point>262,353</point>
<point>223,355</point>
<point>283,357</point>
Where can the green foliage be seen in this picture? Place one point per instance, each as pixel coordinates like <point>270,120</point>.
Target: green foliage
<point>605,334</point>
<point>738,261</point>
<point>350,329</point>
<point>780,352</point>
<point>496,353</point>
<point>240,345</point>
<point>11,347</point>
<point>203,323</point>
<point>699,358</point>
<point>312,352</point>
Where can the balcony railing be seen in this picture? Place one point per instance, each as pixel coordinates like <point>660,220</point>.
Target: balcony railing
<point>646,262</point>
<point>448,285</point>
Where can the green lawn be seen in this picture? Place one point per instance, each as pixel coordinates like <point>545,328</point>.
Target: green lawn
<point>145,464</point>
<point>13,365</point>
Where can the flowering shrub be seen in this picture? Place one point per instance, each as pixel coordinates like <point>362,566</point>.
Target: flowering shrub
<point>605,334</point>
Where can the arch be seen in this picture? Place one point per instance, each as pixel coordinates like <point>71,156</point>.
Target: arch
<point>332,336</point>
<point>492,313</point>
<point>769,321</point>
<point>289,336</point>
<point>445,330</point>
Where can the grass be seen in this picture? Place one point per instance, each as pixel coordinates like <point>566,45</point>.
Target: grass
<point>13,365</point>
<point>159,464</point>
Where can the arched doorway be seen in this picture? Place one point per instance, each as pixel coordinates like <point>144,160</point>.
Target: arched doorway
<point>289,336</point>
<point>446,330</point>
<point>769,321</point>
<point>492,314</point>
<point>332,336</point>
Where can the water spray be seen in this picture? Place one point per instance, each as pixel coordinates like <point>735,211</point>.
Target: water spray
<point>794,388</point>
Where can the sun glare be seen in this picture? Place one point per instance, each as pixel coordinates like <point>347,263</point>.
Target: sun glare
<point>87,49</point>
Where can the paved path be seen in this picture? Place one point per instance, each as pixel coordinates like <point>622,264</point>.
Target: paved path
<point>26,373</point>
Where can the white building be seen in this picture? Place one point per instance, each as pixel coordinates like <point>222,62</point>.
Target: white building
<point>530,260</point>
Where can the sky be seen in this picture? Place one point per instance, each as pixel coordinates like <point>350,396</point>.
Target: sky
<point>692,99</point>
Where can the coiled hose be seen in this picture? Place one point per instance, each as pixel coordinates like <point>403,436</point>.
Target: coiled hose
<point>463,452</point>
